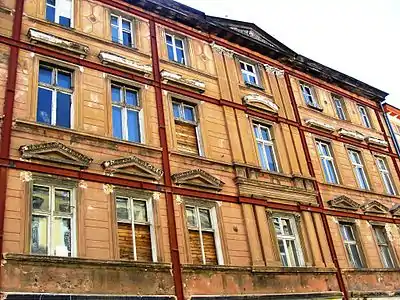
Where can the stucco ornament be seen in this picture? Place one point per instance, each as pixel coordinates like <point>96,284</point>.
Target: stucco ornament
<point>222,50</point>
<point>83,184</point>
<point>25,176</point>
<point>108,188</point>
<point>178,199</point>
<point>273,70</point>
<point>156,196</point>
<point>389,233</point>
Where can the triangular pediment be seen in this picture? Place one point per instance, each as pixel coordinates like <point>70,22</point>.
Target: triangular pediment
<point>55,152</point>
<point>375,207</point>
<point>198,178</point>
<point>133,166</point>
<point>344,202</point>
<point>395,210</point>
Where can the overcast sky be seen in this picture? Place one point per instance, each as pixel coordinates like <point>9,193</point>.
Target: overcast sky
<point>360,38</point>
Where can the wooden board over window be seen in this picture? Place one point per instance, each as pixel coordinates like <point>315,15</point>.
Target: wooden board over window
<point>186,137</point>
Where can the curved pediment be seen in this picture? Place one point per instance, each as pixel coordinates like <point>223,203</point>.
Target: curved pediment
<point>344,202</point>
<point>260,102</point>
<point>133,166</point>
<point>198,178</point>
<point>375,207</point>
<point>55,152</point>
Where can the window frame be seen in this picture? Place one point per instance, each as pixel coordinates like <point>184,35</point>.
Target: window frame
<point>120,19</point>
<point>339,108</point>
<point>124,111</point>
<point>314,103</point>
<point>269,143</point>
<point>51,215</point>
<point>57,14</point>
<point>359,166</point>
<point>174,48</point>
<point>365,118</point>
<point>348,243</point>
<point>386,244</point>
<point>245,72</point>
<point>55,89</point>
<point>150,221</point>
<point>331,158</point>
<point>386,172</point>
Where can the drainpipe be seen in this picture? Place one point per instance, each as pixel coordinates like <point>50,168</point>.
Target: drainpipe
<point>391,131</point>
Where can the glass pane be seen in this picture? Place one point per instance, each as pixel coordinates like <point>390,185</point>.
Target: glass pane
<point>114,34</point>
<point>277,226</point>
<point>50,13</point>
<point>61,237</point>
<point>356,256</point>
<point>117,122</point>
<point>180,56</point>
<point>287,229</point>
<point>380,236</point>
<point>123,212</point>
<point>39,235</point>
<point>114,20</point>
<point>63,114</point>
<point>64,80</point>
<point>252,79</point>
<point>62,201</point>
<point>45,74</point>
<point>245,77</point>
<point>205,219</point>
<point>179,43</point>
<point>270,158</point>
<point>256,132</point>
<point>362,180</point>
<point>176,109</point>
<point>294,260</point>
<point>139,211</point>
<point>283,253</point>
<point>126,25</point>
<point>387,258</point>
<point>131,97</point>
<point>262,156</point>
<point>331,175</point>
<point>250,68</point>
<point>133,126</point>
<point>388,184</point>
<point>43,114</point>
<point>189,113</point>
<point>191,216</point>
<point>40,198</point>
<point>127,38</point>
<point>64,21</point>
<point>242,67</point>
<point>169,39</point>
<point>51,2</point>
<point>349,233</point>
<point>115,94</point>
<point>170,52</point>
<point>265,134</point>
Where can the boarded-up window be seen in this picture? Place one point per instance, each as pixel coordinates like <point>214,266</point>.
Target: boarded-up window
<point>202,235</point>
<point>134,229</point>
<point>186,127</point>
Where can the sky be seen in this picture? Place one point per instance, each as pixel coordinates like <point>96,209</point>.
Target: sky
<point>360,38</point>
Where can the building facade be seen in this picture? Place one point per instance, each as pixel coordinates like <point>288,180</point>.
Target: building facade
<point>151,151</point>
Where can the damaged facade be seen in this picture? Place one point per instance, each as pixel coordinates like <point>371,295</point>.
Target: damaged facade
<point>148,150</point>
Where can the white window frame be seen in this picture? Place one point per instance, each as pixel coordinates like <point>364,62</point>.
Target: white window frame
<point>132,222</point>
<point>325,158</point>
<point>51,215</point>
<point>121,30</point>
<point>347,242</point>
<point>54,88</point>
<point>339,106</point>
<point>385,244</point>
<point>314,102</point>
<point>124,111</point>
<point>57,10</point>
<point>265,143</point>
<point>295,237</point>
<point>215,230</point>
<point>364,116</point>
<point>385,175</point>
<point>174,47</point>
<point>247,73</point>
<point>358,166</point>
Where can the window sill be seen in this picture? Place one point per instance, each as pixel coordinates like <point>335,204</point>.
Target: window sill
<point>371,192</point>
<point>317,108</point>
<point>187,68</point>
<point>371,270</point>
<point>254,86</point>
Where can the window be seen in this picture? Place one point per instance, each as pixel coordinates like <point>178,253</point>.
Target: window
<point>126,113</point>
<point>387,180</point>
<point>350,243</point>
<point>265,147</point>
<point>203,235</point>
<point>288,241</point>
<point>136,237</point>
<point>59,11</point>
<point>339,106</point>
<point>54,96</point>
<point>176,48</point>
<point>121,31</point>
<point>186,126</point>
<point>328,165</point>
<point>309,95</point>
<point>358,166</point>
<point>52,223</point>
<point>364,116</point>
<point>384,246</point>
<point>249,73</point>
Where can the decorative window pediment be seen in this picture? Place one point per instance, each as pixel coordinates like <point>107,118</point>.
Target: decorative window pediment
<point>198,178</point>
<point>36,36</point>
<point>395,210</point>
<point>55,152</point>
<point>344,202</point>
<point>376,141</point>
<point>319,125</point>
<point>119,61</point>
<point>351,134</point>
<point>260,102</point>
<point>375,207</point>
<point>178,79</point>
<point>133,166</point>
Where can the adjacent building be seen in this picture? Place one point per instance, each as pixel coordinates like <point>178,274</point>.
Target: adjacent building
<point>151,151</point>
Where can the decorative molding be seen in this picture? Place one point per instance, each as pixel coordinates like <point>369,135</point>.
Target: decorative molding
<point>25,176</point>
<point>64,154</point>
<point>395,210</point>
<point>375,207</point>
<point>351,134</point>
<point>198,178</point>
<point>108,188</point>
<point>273,70</point>
<point>82,184</point>
<point>320,125</point>
<point>344,202</point>
<point>251,33</point>
<point>193,84</point>
<point>156,196</point>
<point>260,102</point>
<point>127,166</point>
<point>222,50</point>
<point>119,61</point>
<point>375,141</point>
<point>36,36</point>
